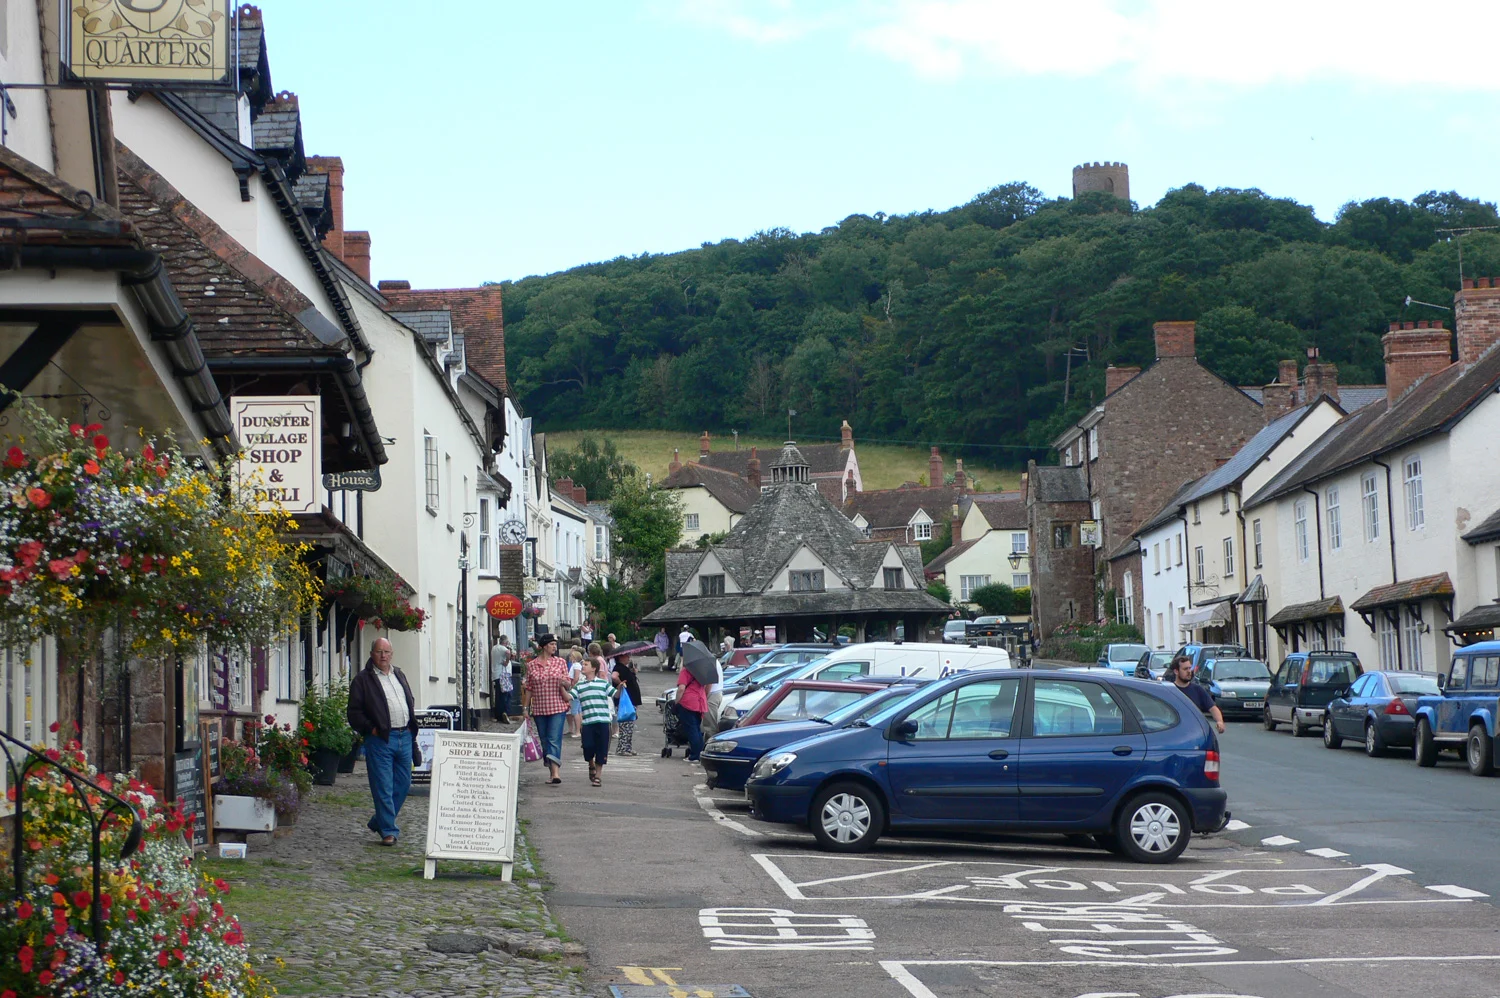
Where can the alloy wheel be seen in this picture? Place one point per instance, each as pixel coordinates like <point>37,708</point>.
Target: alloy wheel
<point>1155,827</point>
<point>1370,739</point>
<point>845,818</point>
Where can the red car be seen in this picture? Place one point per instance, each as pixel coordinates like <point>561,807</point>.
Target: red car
<point>739,658</point>
<point>801,699</point>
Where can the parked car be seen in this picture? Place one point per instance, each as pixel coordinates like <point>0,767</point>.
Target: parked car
<point>751,678</point>
<point>1153,664</point>
<point>1122,657</point>
<point>986,626</point>
<point>1304,685</point>
<point>955,631</point>
<point>1131,762</point>
<point>1202,653</point>
<point>730,755</point>
<point>1238,685</point>
<point>800,699</point>
<point>1379,710</point>
<point>1463,715</point>
<point>743,658</point>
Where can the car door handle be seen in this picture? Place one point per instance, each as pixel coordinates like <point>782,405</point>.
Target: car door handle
<point>1123,750</point>
<point>1000,753</point>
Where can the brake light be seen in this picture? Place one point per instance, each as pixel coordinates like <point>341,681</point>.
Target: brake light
<point>1396,707</point>
<point>1211,765</point>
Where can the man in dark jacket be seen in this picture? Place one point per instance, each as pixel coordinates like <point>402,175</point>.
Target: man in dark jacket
<point>382,709</point>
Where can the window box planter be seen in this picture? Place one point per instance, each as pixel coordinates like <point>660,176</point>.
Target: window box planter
<point>244,814</point>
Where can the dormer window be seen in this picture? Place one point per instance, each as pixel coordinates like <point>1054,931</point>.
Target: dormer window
<point>922,531</point>
<point>895,578</point>
<point>807,580</point>
<point>710,585</point>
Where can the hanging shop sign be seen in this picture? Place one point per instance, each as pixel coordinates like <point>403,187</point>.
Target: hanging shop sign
<point>1089,534</point>
<point>352,481</point>
<point>159,42</point>
<point>281,437</point>
<point>503,607</point>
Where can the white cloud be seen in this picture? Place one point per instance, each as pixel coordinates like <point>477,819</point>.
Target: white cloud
<point>1159,44</point>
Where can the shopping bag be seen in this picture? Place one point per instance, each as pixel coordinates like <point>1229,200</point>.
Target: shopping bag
<point>531,748</point>
<point>627,707</point>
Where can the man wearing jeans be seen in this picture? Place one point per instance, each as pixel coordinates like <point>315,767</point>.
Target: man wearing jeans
<point>381,709</point>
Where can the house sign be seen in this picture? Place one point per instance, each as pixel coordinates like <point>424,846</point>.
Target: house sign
<point>281,437</point>
<point>160,42</point>
<point>1089,534</point>
<point>353,481</point>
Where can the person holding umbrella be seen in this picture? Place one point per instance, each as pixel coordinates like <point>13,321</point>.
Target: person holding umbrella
<point>699,671</point>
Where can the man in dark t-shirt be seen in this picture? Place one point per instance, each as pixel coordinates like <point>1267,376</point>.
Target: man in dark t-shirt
<point>1182,678</point>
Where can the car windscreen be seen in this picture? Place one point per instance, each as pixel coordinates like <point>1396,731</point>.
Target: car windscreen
<point>863,709</point>
<point>1161,657</point>
<point>763,673</point>
<point>1126,653</point>
<point>1229,670</point>
<point>1424,685</point>
<point>955,626</point>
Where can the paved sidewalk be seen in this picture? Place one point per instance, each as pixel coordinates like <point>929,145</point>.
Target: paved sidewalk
<point>351,917</point>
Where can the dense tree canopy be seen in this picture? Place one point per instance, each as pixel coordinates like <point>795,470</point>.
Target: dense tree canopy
<point>985,326</point>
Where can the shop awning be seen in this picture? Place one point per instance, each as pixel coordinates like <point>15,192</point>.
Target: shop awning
<point>1485,617</point>
<point>1204,616</point>
<point>1255,592</point>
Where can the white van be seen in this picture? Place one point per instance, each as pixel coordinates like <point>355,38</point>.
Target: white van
<point>881,658</point>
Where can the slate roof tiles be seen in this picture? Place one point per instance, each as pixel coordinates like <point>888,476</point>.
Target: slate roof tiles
<point>733,492</point>
<point>477,313</point>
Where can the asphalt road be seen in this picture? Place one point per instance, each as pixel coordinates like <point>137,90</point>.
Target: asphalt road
<point>678,893</point>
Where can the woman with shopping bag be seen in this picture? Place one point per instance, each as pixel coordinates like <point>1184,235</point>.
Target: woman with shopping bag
<point>545,698</point>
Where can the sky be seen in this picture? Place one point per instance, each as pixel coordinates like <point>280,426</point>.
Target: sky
<point>488,141</point>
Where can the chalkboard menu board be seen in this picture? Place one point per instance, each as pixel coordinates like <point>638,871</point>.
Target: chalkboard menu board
<point>189,791</point>
<point>471,809</point>
<point>429,723</point>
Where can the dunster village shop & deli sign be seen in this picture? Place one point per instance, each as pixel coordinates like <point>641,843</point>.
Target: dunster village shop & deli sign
<point>281,442</point>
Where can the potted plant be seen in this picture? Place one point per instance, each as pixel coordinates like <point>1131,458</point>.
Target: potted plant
<point>404,617</point>
<point>284,757</point>
<point>247,796</point>
<point>325,729</point>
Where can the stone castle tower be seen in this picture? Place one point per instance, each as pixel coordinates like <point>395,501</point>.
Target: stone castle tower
<point>1111,177</point>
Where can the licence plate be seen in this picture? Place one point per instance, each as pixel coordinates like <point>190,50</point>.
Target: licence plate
<point>1254,703</point>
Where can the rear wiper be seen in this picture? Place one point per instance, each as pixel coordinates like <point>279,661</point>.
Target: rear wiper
<point>820,720</point>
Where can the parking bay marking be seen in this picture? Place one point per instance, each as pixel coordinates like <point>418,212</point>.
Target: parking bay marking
<point>1453,890</point>
<point>781,929</point>
<point>1204,889</point>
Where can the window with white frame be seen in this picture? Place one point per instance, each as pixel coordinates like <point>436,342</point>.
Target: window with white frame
<point>285,664</point>
<point>1224,502</point>
<point>1020,580</point>
<point>1228,557</point>
<point>1096,508</point>
<point>486,535</point>
<point>1411,640</point>
<point>1299,529</point>
<point>690,521</point>
<point>1127,583</point>
<point>1018,542</point>
<point>1156,559</point>
<point>1411,478</point>
<point>1386,638</point>
<point>430,465</point>
<point>968,583</point>
<point>30,694</point>
<point>922,531</point>
<point>1179,550</point>
<point>1370,506</point>
<point>1335,519</point>
<point>1198,562</point>
<point>600,551</point>
<point>1255,533</point>
<point>1093,443</point>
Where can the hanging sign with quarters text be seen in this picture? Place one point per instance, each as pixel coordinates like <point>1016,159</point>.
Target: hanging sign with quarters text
<point>281,450</point>
<point>157,42</point>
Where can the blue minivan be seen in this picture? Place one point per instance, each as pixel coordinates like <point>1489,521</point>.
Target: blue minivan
<point>1129,761</point>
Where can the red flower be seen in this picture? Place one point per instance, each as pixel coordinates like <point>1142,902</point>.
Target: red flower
<point>162,959</point>
<point>26,956</point>
<point>161,471</point>
<point>29,552</point>
<point>44,978</point>
<point>221,884</point>
<point>82,899</point>
<point>93,428</point>
<point>60,567</point>
<point>7,993</point>
<point>15,458</point>
<point>80,556</point>
<point>119,978</point>
<point>145,901</point>
<point>49,879</point>
<point>308,725</point>
<point>53,726</point>
<point>148,453</point>
<point>178,954</point>
<point>125,560</point>
<point>38,497</point>
<point>101,442</point>
<point>75,429</point>
<point>24,909</point>
<point>270,718</point>
<point>91,466</point>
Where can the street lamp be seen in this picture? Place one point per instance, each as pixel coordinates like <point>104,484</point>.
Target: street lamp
<point>1015,560</point>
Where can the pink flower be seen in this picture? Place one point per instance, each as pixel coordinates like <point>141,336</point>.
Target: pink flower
<point>38,497</point>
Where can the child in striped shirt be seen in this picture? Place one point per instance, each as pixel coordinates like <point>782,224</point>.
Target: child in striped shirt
<point>593,698</point>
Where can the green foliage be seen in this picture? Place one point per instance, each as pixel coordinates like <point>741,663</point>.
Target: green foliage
<point>939,588</point>
<point>647,522</point>
<point>1075,642</point>
<point>942,540</point>
<point>716,538</point>
<point>953,325</point>
<point>325,718</point>
<point>998,598</point>
<point>615,607</point>
<point>596,466</point>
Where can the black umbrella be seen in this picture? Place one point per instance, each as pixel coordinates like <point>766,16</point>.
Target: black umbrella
<point>632,648</point>
<point>700,663</point>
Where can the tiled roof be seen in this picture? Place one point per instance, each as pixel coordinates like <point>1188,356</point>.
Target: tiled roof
<point>1485,616</point>
<point>433,326</point>
<point>311,192</point>
<point>1001,510</point>
<point>1412,591</point>
<point>1314,610</point>
<point>32,197</point>
<point>820,458</point>
<point>885,509</point>
<point>1053,483</point>
<point>824,605</point>
<point>732,491</point>
<point>278,129</point>
<point>1351,397</point>
<point>1489,530</point>
<point>938,563</point>
<point>477,313</point>
<point>238,304</point>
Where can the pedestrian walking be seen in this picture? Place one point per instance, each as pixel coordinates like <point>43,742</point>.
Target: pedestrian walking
<point>663,648</point>
<point>715,703</point>
<point>692,701</point>
<point>575,673</point>
<point>727,644</point>
<point>592,695</point>
<point>629,685</point>
<point>381,709</point>
<point>1182,677</point>
<point>501,683</point>
<point>546,696</point>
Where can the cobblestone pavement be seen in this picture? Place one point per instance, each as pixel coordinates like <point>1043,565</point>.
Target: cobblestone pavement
<point>351,917</point>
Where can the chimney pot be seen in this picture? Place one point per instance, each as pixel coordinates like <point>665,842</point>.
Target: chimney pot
<point>1412,354</point>
<point>394,285</point>
<point>846,434</point>
<point>1482,282</point>
<point>1408,325</point>
<point>676,464</point>
<point>934,468</point>
<point>703,445</point>
<point>1468,283</point>
<point>752,469</point>
<point>1175,339</point>
<point>960,479</point>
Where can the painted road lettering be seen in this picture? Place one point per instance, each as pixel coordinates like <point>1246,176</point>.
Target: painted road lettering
<point>1117,931</point>
<point>780,929</point>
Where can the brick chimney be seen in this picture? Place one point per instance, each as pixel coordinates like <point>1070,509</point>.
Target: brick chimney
<point>934,468</point>
<point>1319,379</point>
<point>357,253</point>
<point>1286,373</point>
<point>1114,377</point>
<point>676,464</point>
<point>1414,350</point>
<point>1279,397</point>
<point>580,495</point>
<point>1175,339</point>
<point>563,487</point>
<point>846,433</point>
<point>752,468</point>
<point>1476,311</point>
<point>958,527</point>
<point>849,487</point>
<point>960,480</point>
<point>351,247</point>
<point>395,286</point>
<point>703,445</point>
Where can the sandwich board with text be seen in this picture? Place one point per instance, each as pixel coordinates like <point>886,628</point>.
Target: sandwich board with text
<point>471,808</point>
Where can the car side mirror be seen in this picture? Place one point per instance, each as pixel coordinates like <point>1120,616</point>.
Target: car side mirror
<point>904,730</point>
<point>1442,681</point>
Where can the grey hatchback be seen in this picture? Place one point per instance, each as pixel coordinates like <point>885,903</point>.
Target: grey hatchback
<point>1379,710</point>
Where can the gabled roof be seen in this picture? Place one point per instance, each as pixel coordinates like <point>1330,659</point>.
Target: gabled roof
<point>820,458</point>
<point>477,313</point>
<point>1054,483</point>
<point>888,509</point>
<point>1488,530</point>
<point>940,562</point>
<point>733,492</point>
<point>1001,510</point>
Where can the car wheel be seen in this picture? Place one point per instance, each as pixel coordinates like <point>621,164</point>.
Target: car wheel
<point>1374,742</point>
<point>1297,729</point>
<point>1331,738</point>
<point>847,817</point>
<point>1481,754</point>
<point>1153,828</point>
<point>1426,749</point>
<point>1265,719</point>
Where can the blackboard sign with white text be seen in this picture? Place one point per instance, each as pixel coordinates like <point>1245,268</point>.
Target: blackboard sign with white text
<point>188,787</point>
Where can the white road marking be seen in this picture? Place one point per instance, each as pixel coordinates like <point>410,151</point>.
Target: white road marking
<point>781,929</point>
<point>1453,890</point>
<point>713,812</point>
<point>906,979</point>
<point>876,873</point>
<point>1326,853</point>
<point>1379,871</point>
<point>1236,825</point>
<point>1278,840</point>
<point>888,965</point>
<point>787,885</point>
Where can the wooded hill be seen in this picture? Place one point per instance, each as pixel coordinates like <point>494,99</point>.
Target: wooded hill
<point>955,327</point>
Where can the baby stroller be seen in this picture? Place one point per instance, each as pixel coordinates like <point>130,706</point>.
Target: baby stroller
<point>671,726</point>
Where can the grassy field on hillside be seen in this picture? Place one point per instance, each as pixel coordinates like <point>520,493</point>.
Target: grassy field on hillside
<point>883,466</point>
